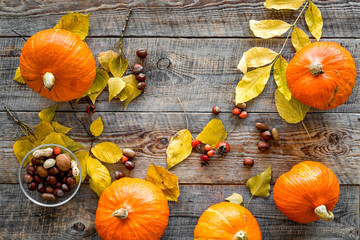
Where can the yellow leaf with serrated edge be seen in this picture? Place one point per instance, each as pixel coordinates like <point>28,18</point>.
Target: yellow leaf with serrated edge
<point>99,175</point>
<point>43,129</point>
<point>269,28</point>
<point>60,128</point>
<point>54,138</point>
<point>131,80</point>
<point>76,23</point>
<point>165,180</point>
<point>97,127</point>
<point>213,133</point>
<point>71,144</point>
<point>105,57</point>
<point>82,157</point>
<point>256,57</point>
<point>48,114</point>
<point>291,111</point>
<point>116,85</point>
<point>280,77</point>
<point>179,148</point>
<point>21,148</point>
<point>18,76</point>
<point>252,84</point>
<point>299,39</point>
<point>235,198</point>
<point>98,85</point>
<point>107,152</point>
<point>284,4</point>
<point>126,92</point>
<point>314,20</point>
<point>118,66</point>
<point>260,184</point>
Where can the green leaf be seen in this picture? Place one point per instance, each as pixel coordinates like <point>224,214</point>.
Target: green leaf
<point>97,127</point>
<point>82,156</point>
<point>107,152</point>
<point>71,144</point>
<point>76,23</point>
<point>269,28</point>
<point>280,77</point>
<point>98,85</point>
<point>314,20</point>
<point>60,128</point>
<point>126,92</point>
<point>260,184</point>
<point>291,111</point>
<point>284,4</point>
<point>252,84</point>
<point>105,57</point>
<point>54,138</point>
<point>48,114</point>
<point>99,175</point>
<point>131,80</point>
<point>21,148</point>
<point>299,39</point>
<point>256,57</point>
<point>118,66</point>
<point>18,76</point>
<point>235,198</point>
<point>116,85</point>
<point>213,133</point>
<point>179,148</point>
<point>43,129</point>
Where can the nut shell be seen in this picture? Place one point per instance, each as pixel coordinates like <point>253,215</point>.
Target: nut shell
<point>63,162</point>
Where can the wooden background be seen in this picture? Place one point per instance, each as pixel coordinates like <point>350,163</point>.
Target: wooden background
<point>193,48</point>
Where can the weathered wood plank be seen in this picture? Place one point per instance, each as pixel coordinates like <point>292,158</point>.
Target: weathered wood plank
<point>22,219</point>
<point>334,142</point>
<point>202,73</point>
<point>186,18</point>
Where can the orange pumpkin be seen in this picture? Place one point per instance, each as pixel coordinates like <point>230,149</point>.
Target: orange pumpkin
<point>227,221</point>
<point>132,209</point>
<point>321,75</point>
<point>57,64</point>
<point>307,192</point>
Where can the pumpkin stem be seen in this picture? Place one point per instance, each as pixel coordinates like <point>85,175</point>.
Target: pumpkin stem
<point>323,213</point>
<point>49,80</point>
<point>316,68</point>
<point>121,213</point>
<point>241,235</point>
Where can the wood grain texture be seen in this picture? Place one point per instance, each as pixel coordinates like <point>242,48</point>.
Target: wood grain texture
<point>202,72</point>
<point>185,18</point>
<point>75,220</point>
<point>334,142</point>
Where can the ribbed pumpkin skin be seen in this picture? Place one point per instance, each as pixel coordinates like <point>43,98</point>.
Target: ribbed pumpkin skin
<point>224,220</point>
<point>324,91</point>
<point>63,54</point>
<point>306,186</point>
<point>147,207</point>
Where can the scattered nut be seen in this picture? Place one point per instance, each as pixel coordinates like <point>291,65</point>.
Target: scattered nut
<point>261,126</point>
<point>216,110</point>
<point>63,162</point>
<point>263,146</point>
<point>248,162</point>
<point>240,105</point>
<point>129,152</point>
<point>266,135</point>
<point>49,163</point>
<point>275,134</point>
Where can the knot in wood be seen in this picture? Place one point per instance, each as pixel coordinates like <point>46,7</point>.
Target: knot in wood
<point>164,141</point>
<point>163,63</point>
<point>334,138</point>
<point>79,226</point>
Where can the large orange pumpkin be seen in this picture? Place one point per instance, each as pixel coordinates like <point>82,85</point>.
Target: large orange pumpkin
<point>308,192</point>
<point>132,209</point>
<point>57,64</point>
<point>321,75</point>
<point>227,221</point>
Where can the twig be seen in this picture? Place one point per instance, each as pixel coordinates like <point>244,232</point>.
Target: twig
<point>249,201</point>
<point>306,129</point>
<point>187,123</point>
<point>19,35</point>
<point>120,46</point>
<point>234,127</point>
<point>26,129</point>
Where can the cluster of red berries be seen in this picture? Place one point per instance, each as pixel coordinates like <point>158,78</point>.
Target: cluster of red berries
<point>138,68</point>
<point>240,109</point>
<point>207,151</point>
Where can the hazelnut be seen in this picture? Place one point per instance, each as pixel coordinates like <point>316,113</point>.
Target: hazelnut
<point>63,162</point>
<point>42,172</point>
<point>129,152</point>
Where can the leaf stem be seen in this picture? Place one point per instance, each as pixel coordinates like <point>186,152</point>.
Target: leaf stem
<point>187,122</point>
<point>234,127</point>
<point>249,200</point>
<point>306,129</point>
<point>26,129</point>
<point>120,45</point>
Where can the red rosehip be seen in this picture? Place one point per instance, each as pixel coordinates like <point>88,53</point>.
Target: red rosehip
<point>207,147</point>
<point>210,153</point>
<point>243,114</point>
<point>195,143</point>
<point>57,151</point>
<point>204,158</point>
<point>124,159</point>
<point>223,147</point>
<point>90,109</point>
<point>236,111</point>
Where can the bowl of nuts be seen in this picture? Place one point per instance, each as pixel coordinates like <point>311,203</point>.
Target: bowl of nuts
<point>50,175</point>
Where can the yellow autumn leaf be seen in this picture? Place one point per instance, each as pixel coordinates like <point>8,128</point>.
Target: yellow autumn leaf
<point>252,84</point>
<point>131,80</point>
<point>18,76</point>
<point>179,148</point>
<point>105,57</point>
<point>116,85</point>
<point>269,28</point>
<point>280,77</point>
<point>314,20</point>
<point>299,39</point>
<point>165,180</point>
<point>60,128</point>
<point>76,23</point>
<point>284,4</point>
<point>97,127</point>
<point>98,85</point>
<point>242,64</point>
<point>21,148</point>
<point>291,111</point>
<point>213,133</point>
<point>48,114</point>
<point>118,66</point>
<point>260,184</point>
<point>235,198</point>
<point>126,92</point>
<point>107,152</point>
<point>54,138</point>
<point>43,129</point>
<point>71,144</point>
<point>256,57</point>
<point>82,156</point>
<point>99,175</point>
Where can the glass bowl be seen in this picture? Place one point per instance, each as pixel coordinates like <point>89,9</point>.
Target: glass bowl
<point>35,196</point>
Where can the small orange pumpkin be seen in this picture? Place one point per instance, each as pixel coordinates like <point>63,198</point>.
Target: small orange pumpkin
<point>308,192</point>
<point>57,64</point>
<point>227,221</point>
<point>321,75</point>
<point>132,209</point>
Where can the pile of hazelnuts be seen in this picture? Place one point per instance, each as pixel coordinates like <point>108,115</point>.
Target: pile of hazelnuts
<point>207,151</point>
<point>266,136</point>
<point>51,173</point>
<point>138,68</point>
<point>129,164</point>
